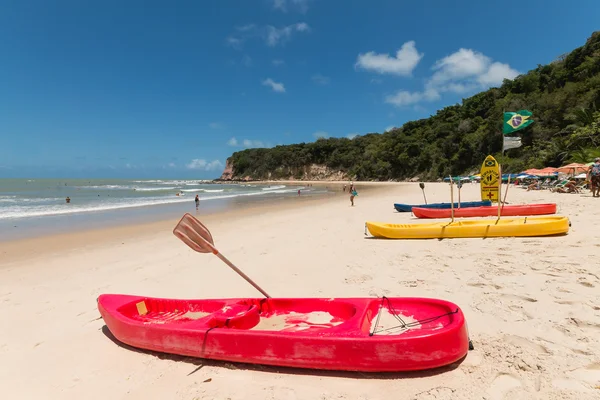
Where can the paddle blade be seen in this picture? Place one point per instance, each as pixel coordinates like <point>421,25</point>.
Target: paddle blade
<point>422,185</point>
<point>193,233</point>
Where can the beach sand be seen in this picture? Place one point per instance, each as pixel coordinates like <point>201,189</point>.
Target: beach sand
<point>532,304</point>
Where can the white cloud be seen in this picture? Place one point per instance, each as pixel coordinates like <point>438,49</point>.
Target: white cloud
<point>277,63</point>
<point>496,73</point>
<point>271,35</point>
<point>234,42</point>
<point>320,79</point>
<point>460,64</point>
<point>246,28</point>
<point>403,97</point>
<point>321,135</point>
<point>461,72</point>
<point>389,128</point>
<point>247,143</point>
<point>247,61</point>
<point>277,36</point>
<point>284,5</point>
<point>466,70</point>
<point>252,143</point>
<point>216,125</point>
<point>403,63</point>
<point>199,163</point>
<point>276,86</point>
<point>352,135</point>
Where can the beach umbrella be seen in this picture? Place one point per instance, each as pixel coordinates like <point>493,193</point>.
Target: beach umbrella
<point>572,168</point>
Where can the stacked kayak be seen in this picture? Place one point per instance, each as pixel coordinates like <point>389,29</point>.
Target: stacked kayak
<point>507,227</point>
<point>489,211</point>
<point>352,334</point>
<point>408,208</point>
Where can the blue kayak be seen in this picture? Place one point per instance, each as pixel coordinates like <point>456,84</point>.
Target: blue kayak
<point>463,204</point>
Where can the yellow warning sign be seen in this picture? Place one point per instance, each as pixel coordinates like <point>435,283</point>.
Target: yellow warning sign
<point>490,174</point>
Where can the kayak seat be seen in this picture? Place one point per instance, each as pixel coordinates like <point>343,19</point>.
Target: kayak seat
<point>235,316</point>
<point>162,311</point>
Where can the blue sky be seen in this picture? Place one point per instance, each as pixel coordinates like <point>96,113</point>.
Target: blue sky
<point>170,89</point>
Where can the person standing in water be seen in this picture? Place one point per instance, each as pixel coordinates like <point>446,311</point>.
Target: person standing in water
<point>197,200</point>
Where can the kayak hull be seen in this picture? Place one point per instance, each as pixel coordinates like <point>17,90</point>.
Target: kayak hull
<point>408,208</point>
<point>489,211</point>
<point>507,227</point>
<point>314,333</point>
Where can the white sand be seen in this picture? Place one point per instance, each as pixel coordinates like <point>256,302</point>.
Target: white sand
<point>297,321</point>
<point>532,304</point>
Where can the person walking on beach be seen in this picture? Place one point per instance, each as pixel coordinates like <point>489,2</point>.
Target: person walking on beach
<point>352,194</point>
<point>197,200</point>
<point>595,177</point>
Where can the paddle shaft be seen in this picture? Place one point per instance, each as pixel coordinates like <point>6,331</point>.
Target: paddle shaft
<point>425,198</point>
<point>233,267</point>
<point>240,273</point>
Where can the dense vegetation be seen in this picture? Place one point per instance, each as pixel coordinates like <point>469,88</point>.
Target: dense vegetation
<point>564,97</point>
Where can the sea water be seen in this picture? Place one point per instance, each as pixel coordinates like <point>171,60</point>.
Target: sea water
<point>29,202</point>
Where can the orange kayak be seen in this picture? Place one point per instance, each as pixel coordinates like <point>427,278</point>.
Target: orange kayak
<point>490,211</point>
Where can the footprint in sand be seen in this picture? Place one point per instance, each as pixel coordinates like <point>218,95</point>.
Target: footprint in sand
<point>570,385</point>
<point>585,283</point>
<point>566,302</point>
<point>583,324</point>
<point>519,297</point>
<point>411,283</point>
<point>589,374</point>
<point>358,279</point>
<point>283,393</point>
<point>519,309</point>
<point>502,385</point>
<point>440,392</point>
<point>523,342</point>
<point>481,284</point>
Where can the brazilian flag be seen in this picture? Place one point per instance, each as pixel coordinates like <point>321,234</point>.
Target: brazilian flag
<point>514,121</point>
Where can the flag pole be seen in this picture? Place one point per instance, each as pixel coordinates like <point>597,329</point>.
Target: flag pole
<point>451,199</point>
<point>499,191</point>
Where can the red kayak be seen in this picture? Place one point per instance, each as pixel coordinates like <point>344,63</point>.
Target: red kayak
<point>488,211</point>
<point>351,334</point>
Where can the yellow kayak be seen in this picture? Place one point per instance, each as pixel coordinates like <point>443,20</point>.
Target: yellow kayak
<point>506,227</point>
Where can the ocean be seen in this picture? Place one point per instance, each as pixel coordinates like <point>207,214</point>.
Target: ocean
<point>30,202</point>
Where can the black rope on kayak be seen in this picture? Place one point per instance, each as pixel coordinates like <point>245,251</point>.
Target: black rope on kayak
<point>403,324</point>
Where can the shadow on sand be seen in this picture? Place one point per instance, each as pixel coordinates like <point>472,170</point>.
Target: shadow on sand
<point>201,362</point>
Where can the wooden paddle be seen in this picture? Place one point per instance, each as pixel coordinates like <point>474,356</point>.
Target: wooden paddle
<point>422,186</point>
<point>197,236</point>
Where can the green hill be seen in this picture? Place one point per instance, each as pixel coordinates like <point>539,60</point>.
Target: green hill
<point>563,96</point>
